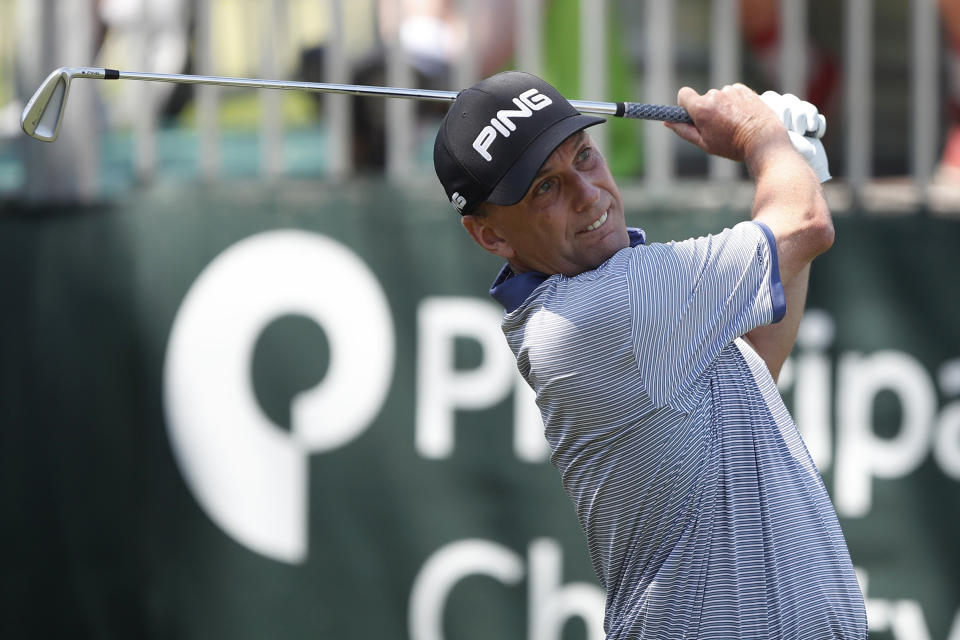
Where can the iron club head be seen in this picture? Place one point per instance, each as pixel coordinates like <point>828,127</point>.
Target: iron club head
<point>42,116</point>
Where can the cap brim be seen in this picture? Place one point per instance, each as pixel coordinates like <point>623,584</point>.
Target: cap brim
<point>514,184</point>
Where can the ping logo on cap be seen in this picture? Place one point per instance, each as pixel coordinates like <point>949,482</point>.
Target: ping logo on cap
<point>527,102</point>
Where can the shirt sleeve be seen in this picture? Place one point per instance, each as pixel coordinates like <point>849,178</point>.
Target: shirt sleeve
<point>688,300</point>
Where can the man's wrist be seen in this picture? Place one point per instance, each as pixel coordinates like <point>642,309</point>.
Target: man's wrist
<point>765,153</point>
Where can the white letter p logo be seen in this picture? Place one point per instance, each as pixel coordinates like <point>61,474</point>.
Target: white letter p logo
<point>249,475</point>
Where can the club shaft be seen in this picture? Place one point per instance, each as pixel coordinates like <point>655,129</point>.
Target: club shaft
<point>43,113</point>
<point>291,85</point>
<point>584,106</point>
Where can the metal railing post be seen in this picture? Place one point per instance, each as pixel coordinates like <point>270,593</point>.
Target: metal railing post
<point>793,47</point>
<point>593,68</point>
<point>659,154</point>
<point>925,46</point>
<point>400,114</point>
<point>724,68</point>
<point>145,115</point>
<point>208,98</point>
<point>56,32</point>
<point>858,93</point>
<point>527,36</point>
<point>272,20</point>
<point>336,108</point>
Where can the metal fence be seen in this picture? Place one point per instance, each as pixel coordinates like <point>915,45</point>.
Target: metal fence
<point>49,33</point>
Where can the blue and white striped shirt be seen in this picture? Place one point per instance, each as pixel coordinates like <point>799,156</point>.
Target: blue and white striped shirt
<point>704,514</point>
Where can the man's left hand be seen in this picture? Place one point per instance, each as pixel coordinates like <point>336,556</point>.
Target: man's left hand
<point>799,117</point>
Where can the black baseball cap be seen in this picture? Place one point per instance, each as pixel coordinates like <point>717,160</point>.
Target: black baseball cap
<point>498,134</point>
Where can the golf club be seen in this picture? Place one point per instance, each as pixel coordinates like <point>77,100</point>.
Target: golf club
<point>42,116</point>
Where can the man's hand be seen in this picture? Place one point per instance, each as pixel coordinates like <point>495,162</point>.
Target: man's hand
<point>732,122</point>
<point>799,117</point>
<point>796,114</point>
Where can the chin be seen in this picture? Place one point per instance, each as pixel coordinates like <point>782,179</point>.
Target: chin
<point>617,239</point>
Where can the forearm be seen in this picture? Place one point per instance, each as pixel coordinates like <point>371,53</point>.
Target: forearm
<point>790,201</point>
<point>774,342</point>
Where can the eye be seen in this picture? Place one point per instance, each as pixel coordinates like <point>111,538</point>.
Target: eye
<point>585,154</point>
<point>544,187</point>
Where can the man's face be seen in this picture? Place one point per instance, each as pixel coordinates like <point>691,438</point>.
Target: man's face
<point>570,221</point>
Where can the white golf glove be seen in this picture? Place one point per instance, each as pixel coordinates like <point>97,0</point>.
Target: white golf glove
<point>799,117</point>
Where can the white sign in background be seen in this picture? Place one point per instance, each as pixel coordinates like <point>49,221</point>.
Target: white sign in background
<point>250,476</point>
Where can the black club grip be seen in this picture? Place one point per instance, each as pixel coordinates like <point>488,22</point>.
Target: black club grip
<point>640,111</point>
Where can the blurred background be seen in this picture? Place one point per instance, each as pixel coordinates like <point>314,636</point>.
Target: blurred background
<point>251,381</point>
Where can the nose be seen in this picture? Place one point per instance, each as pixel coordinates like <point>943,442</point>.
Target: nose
<point>586,193</point>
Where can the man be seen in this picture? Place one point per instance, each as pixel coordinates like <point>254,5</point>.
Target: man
<point>654,365</point>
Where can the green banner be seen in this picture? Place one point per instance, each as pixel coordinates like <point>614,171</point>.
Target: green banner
<point>251,412</point>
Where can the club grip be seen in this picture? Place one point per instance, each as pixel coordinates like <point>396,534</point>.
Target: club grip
<point>664,113</point>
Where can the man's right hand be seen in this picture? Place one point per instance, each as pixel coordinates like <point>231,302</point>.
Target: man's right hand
<point>732,122</point>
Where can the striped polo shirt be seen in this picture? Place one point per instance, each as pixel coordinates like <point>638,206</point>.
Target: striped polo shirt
<point>704,514</point>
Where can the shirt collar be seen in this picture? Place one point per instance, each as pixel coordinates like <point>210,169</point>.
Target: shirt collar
<point>512,289</point>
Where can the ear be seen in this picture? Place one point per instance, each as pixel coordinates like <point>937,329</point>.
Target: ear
<point>487,235</point>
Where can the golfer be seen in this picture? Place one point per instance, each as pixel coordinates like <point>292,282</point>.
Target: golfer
<point>654,365</point>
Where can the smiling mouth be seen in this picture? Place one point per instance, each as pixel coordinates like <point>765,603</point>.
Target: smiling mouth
<point>597,223</point>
